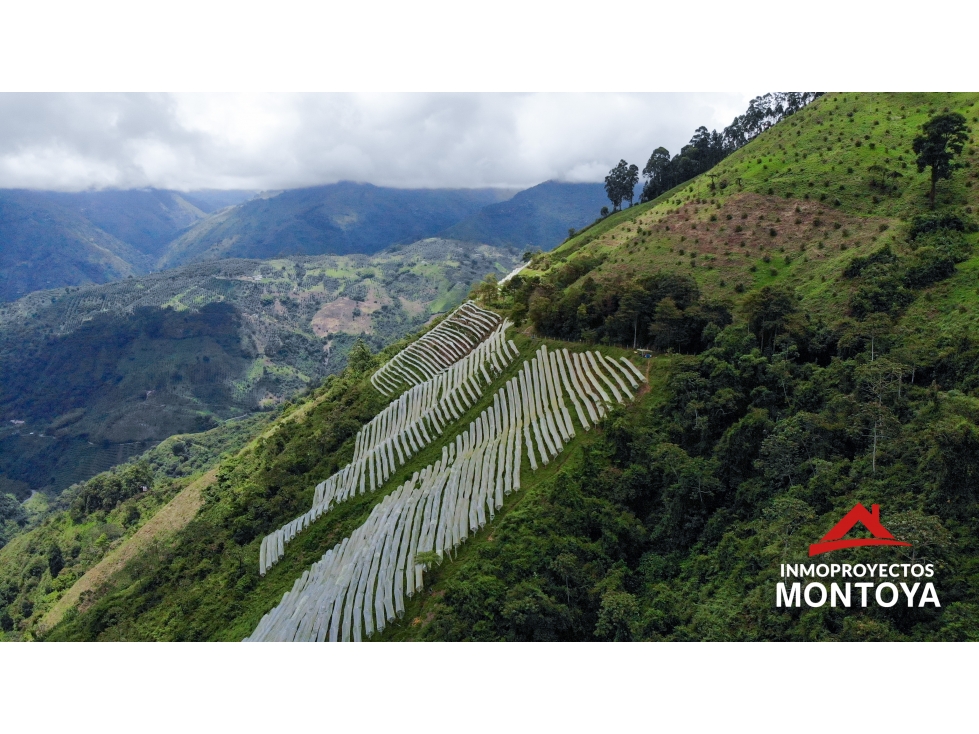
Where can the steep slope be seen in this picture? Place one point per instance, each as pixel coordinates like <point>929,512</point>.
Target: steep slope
<point>815,330</point>
<point>538,217</point>
<point>44,244</point>
<point>97,375</point>
<point>147,219</point>
<point>793,206</point>
<point>52,239</point>
<point>87,531</point>
<point>211,200</point>
<point>344,401</point>
<point>339,219</point>
<point>847,377</point>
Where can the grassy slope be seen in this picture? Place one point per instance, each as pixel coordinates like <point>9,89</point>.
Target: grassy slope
<point>28,589</point>
<point>783,176</point>
<point>167,521</point>
<point>775,183</point>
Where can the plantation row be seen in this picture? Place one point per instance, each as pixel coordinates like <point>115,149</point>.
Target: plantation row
<point>434,351</point>
<point>399,432</point>
<point>126,296</point>
<point>360,585</point>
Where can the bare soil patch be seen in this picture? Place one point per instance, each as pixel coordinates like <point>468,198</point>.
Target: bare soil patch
<point>338,316</point>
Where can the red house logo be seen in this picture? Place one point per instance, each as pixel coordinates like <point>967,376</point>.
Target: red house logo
<point>833,540</point>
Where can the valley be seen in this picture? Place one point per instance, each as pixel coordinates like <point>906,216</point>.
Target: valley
<point>51,240</point>
<point>96,375</point>
<point>800,324</point>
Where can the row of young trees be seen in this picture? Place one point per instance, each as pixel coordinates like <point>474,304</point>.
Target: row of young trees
<point>705,150</point>
<point>942,139</point>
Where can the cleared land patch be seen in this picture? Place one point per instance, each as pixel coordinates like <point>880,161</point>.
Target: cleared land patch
<point>172,517</point>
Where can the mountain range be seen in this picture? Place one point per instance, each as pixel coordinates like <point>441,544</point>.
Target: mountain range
<point>94,375</point>
<point>51,239</point>
<point>803,319</point>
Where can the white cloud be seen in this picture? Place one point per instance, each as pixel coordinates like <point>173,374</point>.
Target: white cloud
<point>271,141</point>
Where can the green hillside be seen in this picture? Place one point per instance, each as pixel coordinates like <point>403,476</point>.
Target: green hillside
<point>97,375</point>
<point>47,245</point>
<point>536,218</point>
<point>54,542</point>
<point>52,239</point>
<point>811,324</point>
<point>806,195</point>
<point>338,219</point>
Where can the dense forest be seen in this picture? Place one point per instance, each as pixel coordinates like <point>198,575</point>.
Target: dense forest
<point>672,523</point>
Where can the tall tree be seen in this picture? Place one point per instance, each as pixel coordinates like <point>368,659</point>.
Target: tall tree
<point>943,137</point>
<point>629,182</point>
<point>657,170</point>
<point>360,358</point>
<point>615,184</point>
<point>771,311</point>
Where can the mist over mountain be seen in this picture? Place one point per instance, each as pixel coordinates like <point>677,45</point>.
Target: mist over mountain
<point>210,200</point>
<point>57,239</point>
<point>338,219</point>
<point>538,217</point>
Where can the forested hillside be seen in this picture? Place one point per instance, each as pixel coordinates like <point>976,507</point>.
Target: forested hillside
<point>53,542</point>
<point>46,245</point>
<point>94,376</point>
<point>338,219</point>
<point>822,319</point>
<point>810,316</point>
<point>51,239</point>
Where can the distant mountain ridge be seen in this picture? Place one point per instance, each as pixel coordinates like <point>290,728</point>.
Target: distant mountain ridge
<point>148,219</point>
<point>44,244</point>
<point>538,217</point>
<point>57,239</point>
<point>338,219</point>
<point>52,239</point>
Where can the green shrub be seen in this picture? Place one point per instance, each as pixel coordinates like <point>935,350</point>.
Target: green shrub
<point>106,491</point>
<point>928,223</point>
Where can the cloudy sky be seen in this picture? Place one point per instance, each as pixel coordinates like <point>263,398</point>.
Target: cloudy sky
<point>273,141</point>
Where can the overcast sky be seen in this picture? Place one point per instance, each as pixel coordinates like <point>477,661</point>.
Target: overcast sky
<point>274,141</point>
